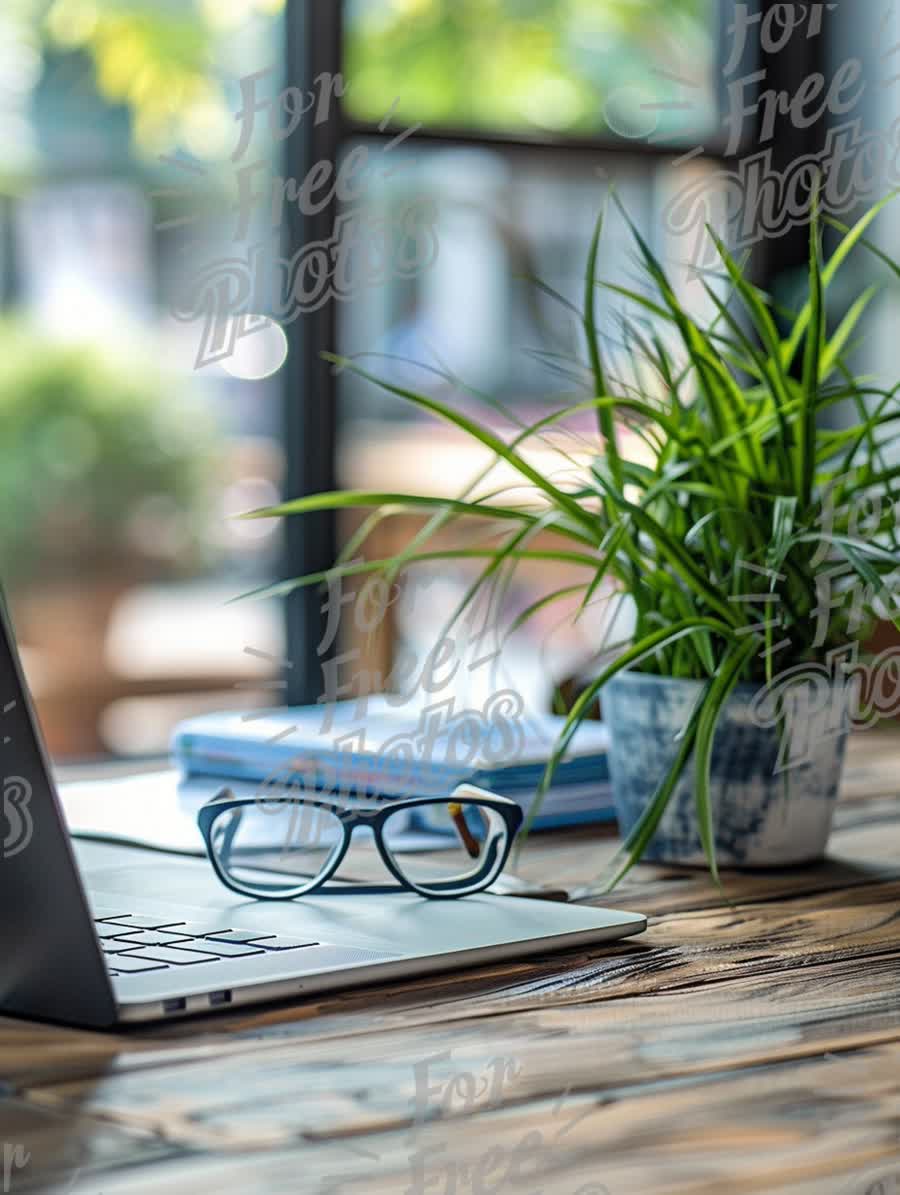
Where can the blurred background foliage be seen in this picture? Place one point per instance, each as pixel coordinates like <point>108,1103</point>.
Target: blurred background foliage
<point>168,63</point>
<point>106,467</point>
<point>567,66</point>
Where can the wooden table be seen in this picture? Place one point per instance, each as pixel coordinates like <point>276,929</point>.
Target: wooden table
<point>751,1046</point>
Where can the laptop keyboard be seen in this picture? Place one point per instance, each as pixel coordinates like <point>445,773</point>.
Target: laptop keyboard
<point>133,943</point>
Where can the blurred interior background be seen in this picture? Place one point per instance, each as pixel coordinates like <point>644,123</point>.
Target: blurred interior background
<point>124,461</point>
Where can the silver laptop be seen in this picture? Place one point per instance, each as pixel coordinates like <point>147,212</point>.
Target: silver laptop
<point>98,934</point>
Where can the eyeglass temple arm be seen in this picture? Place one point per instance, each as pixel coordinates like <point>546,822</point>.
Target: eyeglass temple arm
<point>229,833</point>
<point>469,841</point>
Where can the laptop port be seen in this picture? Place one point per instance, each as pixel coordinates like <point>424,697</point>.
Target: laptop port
<point>217,999</point>
<point>179,1004</point>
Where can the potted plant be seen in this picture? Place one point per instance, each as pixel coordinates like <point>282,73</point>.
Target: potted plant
<point>104,477</point>
<point>753,542</point>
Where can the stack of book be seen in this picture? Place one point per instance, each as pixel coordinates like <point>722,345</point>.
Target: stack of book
<point>384,751</point>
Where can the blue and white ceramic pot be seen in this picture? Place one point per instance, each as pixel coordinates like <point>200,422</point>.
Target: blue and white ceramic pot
<point>775,771</point>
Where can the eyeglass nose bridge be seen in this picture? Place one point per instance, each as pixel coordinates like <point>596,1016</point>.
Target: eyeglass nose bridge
<point>352,820</point>
<point>455,808</point>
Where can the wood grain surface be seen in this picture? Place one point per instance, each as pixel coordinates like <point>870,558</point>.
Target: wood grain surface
<point>747,1045</point>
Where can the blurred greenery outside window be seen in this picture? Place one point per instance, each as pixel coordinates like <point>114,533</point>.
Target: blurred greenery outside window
<point>588,67</point>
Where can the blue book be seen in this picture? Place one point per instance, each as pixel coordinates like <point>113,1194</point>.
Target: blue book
<point>379,748</point>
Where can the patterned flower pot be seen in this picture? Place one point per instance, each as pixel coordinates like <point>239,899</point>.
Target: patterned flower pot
<point>776,767</point>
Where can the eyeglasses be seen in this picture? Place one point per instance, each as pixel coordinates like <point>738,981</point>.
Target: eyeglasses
<point>276,847</point>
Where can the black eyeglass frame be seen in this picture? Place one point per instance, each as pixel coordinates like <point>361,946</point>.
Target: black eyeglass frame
<point>373,816</point>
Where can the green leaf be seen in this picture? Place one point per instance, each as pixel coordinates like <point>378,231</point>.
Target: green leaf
<point>811,362</point>
<point>604,415</point>
<point>639,838</point>
<point>837,259</point>
<point>719,690</point>
<point>542,603</point>
<point>635,654</point>
<point>867,573</point>
<point>676,555</point>
<point>783,514</point>
<point>477,432</point>
<point>360,568</point>
<point>836,345</point>
<point>769,366</point>
<point>342,499</point>
<point>858,546</point>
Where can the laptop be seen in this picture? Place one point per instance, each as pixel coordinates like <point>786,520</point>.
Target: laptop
<point>98,934</point>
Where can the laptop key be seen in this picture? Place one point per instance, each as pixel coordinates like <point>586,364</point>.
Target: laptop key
<point>141,921</point>
<point>153,937</point>
<point>227,949</point>
<point>168,954</point>
<point>203,929</point>
<point>239,936</point>
<point>280,943</point>
<point>109,931</point>
<point>123,964</point>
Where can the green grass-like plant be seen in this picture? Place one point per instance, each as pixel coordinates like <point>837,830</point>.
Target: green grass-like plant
<point>748,474</point>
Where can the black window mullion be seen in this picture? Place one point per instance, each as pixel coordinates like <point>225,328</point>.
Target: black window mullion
<point>313,46</point>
